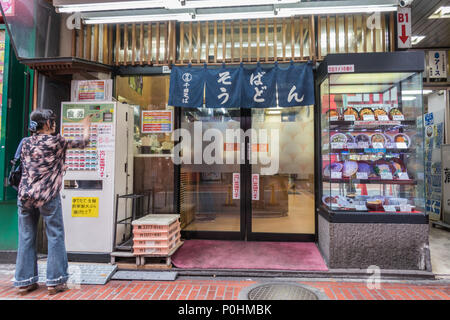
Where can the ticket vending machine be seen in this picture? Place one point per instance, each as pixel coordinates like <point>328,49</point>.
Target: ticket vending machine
<point>96,174</point>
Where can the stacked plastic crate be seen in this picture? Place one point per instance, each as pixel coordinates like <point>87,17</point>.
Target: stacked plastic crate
<point>156,235</point>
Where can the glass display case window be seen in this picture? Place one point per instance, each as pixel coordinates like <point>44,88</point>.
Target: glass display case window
<point>372,142</point>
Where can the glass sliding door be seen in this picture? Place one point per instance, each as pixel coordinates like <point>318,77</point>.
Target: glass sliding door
<point>209,187</point>
<point>282,172</point>
<point>265,194</point>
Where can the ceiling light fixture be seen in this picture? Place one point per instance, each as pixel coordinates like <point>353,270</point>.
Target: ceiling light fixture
<point>413,92</point>
<point>416,39</point>
<point>281,13</point>
<point>109,6</point>
<point>338,10</point>
<point>167,4</point>
<point>138,18</point>
<point>441,13</point>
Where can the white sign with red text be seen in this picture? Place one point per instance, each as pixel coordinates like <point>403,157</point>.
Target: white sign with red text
<point>342,68</point>
<point>404,28</point>
<point>236,186</point>
<point>101,163</point>
<point>255,186</point>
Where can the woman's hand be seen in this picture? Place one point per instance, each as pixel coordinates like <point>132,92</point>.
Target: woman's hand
<point>86,122</point>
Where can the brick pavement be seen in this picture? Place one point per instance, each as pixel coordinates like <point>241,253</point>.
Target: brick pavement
<point>226,289</point>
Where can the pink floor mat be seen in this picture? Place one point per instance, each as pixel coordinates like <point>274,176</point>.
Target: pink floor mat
<point>215,254</point>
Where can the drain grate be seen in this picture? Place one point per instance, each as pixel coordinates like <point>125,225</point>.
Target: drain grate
<point>281,291</point>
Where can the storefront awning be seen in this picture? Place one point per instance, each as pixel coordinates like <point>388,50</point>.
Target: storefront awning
<point>56,67</point>
<point>242,86</point>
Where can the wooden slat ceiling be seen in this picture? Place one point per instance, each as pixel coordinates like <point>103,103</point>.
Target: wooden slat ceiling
<point>437,31</point>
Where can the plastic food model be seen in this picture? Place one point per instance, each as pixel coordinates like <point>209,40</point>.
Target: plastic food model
<point>334,167</point>
<point>350,168</point>
<point>398,166</point>
<point>351,111</point>
<point>333,113</point>
<point>379,112</point>
<point>364,167</point>
<point>395,112</point>
<point>338,138</point>
<point>328,200</point>
<point>365,111</point>
<point>383,167</point>
<point>375,205</point>
<point>378,138</point>
<point>362,138</point>
<point>401,137</point>
<point>350,138</point>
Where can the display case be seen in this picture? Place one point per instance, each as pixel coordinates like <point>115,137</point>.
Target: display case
<point>371,138</point>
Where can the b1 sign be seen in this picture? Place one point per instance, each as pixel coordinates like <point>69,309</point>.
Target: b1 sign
<point>404,28</point>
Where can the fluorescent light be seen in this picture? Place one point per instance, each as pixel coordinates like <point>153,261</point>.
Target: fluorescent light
<point>168,4</point>
<point>137,18</point>
<point>442,12</point>
<point>424,91</point>
<point>108,6</point>
<point>416,39</point>
<point>408,98</point>
<point>176,4</point>
<point>273,112</point>
<point>338,10</point>
<point>236,16</point>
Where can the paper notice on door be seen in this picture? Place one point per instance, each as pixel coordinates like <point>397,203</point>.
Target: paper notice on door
<point>255,186</point>
<point>236,186</point>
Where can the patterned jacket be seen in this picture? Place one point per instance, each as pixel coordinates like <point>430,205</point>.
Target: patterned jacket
<point>42,160</point>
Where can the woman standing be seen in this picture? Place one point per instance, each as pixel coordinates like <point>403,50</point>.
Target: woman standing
<point>43,155</point>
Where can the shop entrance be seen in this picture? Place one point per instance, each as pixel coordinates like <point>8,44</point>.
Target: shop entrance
<point>266,192</point>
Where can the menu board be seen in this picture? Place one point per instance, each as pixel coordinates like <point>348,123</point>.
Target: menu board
<point>156,121</point>
<point>91,90</point>
<point>101,134</point>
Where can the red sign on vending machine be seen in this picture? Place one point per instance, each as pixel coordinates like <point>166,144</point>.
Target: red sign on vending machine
<point>102,159</point>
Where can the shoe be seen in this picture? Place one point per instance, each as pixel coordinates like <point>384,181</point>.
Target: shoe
<point>56,289</point>
<point>27,289</point>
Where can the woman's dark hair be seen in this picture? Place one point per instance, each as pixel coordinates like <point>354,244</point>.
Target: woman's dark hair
<point>40,117</point>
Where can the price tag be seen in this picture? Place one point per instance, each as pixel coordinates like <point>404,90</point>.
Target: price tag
<point>362,175</point>
<point>337,145</point>
<point>352,145</point>
<point>334,118</point>
<point>398,117</point>
<point>363,145</point>
<point>349,117</point>
<point>383,117</point>
<point>401,145</point>
<point>336,175</point>
<point>378,145</point>
<point>368,117</point>
<point>360,207</point>
<point>386,176</point>
<point>389,208</point>
<point>405,208</point>
<point>325,146</point>
<point>403,176</point>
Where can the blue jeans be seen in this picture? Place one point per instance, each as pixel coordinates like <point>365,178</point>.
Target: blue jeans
<point>26,264</point>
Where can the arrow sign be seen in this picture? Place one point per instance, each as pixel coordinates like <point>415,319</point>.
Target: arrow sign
<point>404,37</point>
<point>404,28</point>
